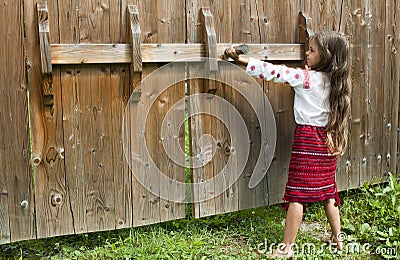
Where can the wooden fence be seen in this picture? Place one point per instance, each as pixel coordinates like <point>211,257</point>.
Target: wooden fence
<point>67,72</point>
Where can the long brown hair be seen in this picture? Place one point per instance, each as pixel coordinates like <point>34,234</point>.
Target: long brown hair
<point>333,51</point>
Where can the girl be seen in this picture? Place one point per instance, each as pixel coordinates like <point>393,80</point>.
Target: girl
<point>321,111</point>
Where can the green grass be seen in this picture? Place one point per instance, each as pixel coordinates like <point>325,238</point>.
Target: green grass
<point>370,219</point>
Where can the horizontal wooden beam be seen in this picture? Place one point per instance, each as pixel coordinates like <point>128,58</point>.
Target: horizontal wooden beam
<point>195,52</point>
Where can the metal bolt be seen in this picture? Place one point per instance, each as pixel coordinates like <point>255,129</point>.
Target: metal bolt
<point>348,163</point>
<point>389,125</point>
<point>56,199</point>
<point>388,157</point>
<point>24,204</point>
<point>379,157</point>
<point>364,160</point>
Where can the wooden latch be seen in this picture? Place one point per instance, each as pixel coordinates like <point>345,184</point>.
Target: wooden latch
<point>44,37</point>
<point>136,41</point>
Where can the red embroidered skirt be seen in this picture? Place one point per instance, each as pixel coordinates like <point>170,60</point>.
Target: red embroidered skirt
<point>312,168</point>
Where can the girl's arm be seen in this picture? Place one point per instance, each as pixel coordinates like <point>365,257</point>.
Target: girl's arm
<point>268,71</point>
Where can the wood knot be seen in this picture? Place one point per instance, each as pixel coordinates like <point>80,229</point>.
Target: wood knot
<point>227,149</point>
<point>37,161</point>
<point>51,155</point>
<point>56,199</point>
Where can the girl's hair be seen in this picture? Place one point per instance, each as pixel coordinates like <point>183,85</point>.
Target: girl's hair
<point>333,51</point>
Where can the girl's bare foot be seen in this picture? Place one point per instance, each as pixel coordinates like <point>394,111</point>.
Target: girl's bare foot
<point>283,252</point>
<point>337,242</point>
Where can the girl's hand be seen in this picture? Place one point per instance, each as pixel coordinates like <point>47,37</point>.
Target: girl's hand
<point>231,53</point>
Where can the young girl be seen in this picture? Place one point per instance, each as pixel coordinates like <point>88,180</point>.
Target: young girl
<point>321,111</point>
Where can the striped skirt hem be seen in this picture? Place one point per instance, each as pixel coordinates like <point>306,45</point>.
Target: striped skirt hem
<point>312,168</point>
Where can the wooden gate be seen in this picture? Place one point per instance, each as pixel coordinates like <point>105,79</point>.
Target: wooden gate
<point>68,169</point>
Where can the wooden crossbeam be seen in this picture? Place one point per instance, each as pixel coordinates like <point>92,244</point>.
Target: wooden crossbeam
<point>122,53</point>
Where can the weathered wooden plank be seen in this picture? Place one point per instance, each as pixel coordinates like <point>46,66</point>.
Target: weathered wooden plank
<point>52,205</point>
<point>171,29</point>
<point>122,176</point>
<point>224,197</point>
<point>196,127</point>
<point>200,124</point>
<point>326,15</point>
<point>395,21</point>
<point>5,234</point>
<point>344,162</point>
<point>366,53</point>
<point>164,52</point>
<point>94,21</point>
<point>280,26</point>
<point>142,209</point>
<point>142,213</point>
<point>120,80</point>
<point>72,122</point>
<point>16,196</point>
<point>53,210</point>
<point>88,132</point>
<point>170,111</point>
<point>200,150</point>
<point>124,199</point>
<point>239,196</point>
<point>68,18</point>
<point>65,29</point>
<point>358,84</point>
<point>391,89</point>
<point>87,113</point>
<point>376,14</point>
<point>245,21</point>
<point>97,132</point>
<point>159,24</point>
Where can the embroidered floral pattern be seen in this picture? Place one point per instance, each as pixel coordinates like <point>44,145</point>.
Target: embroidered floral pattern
<point>306,84</point>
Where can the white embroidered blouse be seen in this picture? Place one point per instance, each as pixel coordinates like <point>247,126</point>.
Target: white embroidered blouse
<point>311,88</point>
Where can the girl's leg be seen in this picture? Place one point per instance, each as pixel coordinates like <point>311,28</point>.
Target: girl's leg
<point>332,213</point>
<point>294,217</point>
